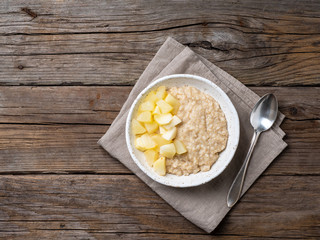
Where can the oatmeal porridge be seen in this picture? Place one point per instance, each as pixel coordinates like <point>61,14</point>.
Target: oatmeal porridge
<point>203,131</point>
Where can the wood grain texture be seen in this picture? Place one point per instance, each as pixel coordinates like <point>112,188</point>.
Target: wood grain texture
<point>92,206</point>
<point>45,105</point>
<point>259,43</point>
<point>89,235</point>
<point>114,16</point>
<point>66,68</point>
<point>82,234</point>
<point>100,105</point>
<point>74,149</point>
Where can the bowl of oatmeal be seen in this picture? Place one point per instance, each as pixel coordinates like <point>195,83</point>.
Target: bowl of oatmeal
<point>182,130</point>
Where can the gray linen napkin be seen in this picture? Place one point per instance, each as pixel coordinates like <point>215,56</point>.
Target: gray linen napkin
<point>205,205</point>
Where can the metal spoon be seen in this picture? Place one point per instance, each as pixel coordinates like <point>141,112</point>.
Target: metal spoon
<point>262,118</point>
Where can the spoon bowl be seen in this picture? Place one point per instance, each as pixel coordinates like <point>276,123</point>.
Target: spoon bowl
<point>264,113</point>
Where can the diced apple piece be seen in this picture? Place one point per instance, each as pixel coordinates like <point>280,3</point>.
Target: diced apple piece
<point>137,144</point>
<point>161,92</point>
<point>170,134</point>
<point>174,122</point>
<point>146,141</point>
<point>164,107</point>
<point>180,148</point>
<point>146,106</point>
<point>168,150</point>
<point>163,119</point>
<point>156,110</point>
<point>151,127</point>
<point>137,127</point>
<point>151,156</point>
<point>152,97</point>
<point>173,102</point>
<point>159,166</point>
<point>145,117</point>
<point>162,130</point>
<point>159,139</point>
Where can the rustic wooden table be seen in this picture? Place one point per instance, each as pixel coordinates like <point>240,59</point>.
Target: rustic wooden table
<point>68,66</point>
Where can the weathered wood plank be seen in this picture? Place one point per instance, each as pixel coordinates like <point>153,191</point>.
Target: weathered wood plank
<point>100,105</point>
<point>81,234</point>
<point>73,148</point>
<point>93,235</point>
<point>299,103</point>
<point>73,69</point>
<point>103,205</point>
<point>112,43</point>
<point>86,105</point>
<point>303,149</point>
<point>55,148</point>
<point>104,60</point>
<point>126,16</point>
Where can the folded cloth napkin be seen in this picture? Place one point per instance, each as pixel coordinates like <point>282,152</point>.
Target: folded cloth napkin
<point>205,205</point>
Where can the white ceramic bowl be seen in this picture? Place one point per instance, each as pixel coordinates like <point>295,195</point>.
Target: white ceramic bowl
<point>225,157</point>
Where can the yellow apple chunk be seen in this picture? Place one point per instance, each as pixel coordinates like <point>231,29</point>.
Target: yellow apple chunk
<point>174,122</point>
<point>163,119</point>
<point>168,150</point>
<point>170,134</point>
<point>173,102</point>
<point>159,166</point>
<point>146,142</point>
<point>137,144</point>
<point>162,130</point>
<point>147,106</point>
<point>164,107</point>
<point>152,97</point>
<point>151,127</point>
<point>145,117</point>
<point>159,140</point>
<point>137,127</point>
<point>180,148</point>
<point>151,156</point>
<point>161,92</point>
<point>156,110</point>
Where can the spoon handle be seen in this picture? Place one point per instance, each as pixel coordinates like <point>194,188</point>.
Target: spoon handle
<point>236,187</point>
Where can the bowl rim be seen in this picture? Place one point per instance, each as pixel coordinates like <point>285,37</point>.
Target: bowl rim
<point>160,179</point>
